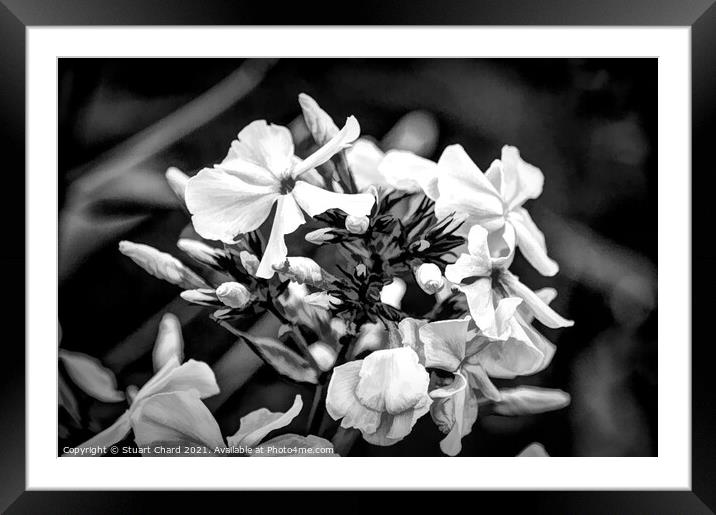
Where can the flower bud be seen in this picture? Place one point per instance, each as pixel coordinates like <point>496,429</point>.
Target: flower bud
<point>304,270</point>
<point>320,236</point>
<point>161,265</point>
<point>429,278</point>
<point>530,400</point>
<point>249,261</point>
<point>361,270</point>
<point>177,181</point>
<point>322,299</point>
<point>201,296</point>
<point>319,122</point>
<point>200,252</point>
<point>235,295</point>
<point>357,224</point>
<point>323,354</point>
<point>392,294</point>
<point>419,246</point>
<point>169,342</point>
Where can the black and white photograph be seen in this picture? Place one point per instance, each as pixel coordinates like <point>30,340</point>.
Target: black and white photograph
<point>357,257</point>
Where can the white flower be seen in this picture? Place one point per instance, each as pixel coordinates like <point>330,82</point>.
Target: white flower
<point>382,395</point>
<point>161,265</point>
<point>182,418</point>
<point>177,181</point>
<point>357,224</point>
<point>320,236</point>
<point>483,277</point>
<point>260,170</point>
<point>201,252</point>
<point>494,199</point>
<point>408,172</point>
<point>194,377</point>
<point>249,261</point>
<point>363,158</point>
<point>392,294</point>
<point>323,354</point>
<point>456,347</point>
<point>319,123</point>
<point>169,343</point>
<point>233,294</point>
<point>321,299</point>
<point>429,278</point>
<point>91,376</point>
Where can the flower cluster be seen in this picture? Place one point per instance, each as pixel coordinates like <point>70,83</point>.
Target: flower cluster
<point>377,223</point>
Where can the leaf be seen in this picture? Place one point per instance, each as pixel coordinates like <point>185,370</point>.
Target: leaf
<point>285,361</point>
<point>91,377</point>
<point>530,400</point>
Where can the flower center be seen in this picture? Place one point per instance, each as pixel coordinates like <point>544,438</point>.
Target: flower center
<point>287,185</point>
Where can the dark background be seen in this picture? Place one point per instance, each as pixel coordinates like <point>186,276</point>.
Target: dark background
<point>590,125</point>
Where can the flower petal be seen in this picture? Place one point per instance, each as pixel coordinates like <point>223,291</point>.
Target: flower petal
<point>520,180</point>
<point>409,329</point>
<point>113,434</point>
<point>314,200</point>
<point>465,190</point>
<point>264,145</point>
<point>464,413</point>
<point>363,157</point>
<point>458,383</point>
<point>192,375</point>
<point>223,205</point>
<point>91,376</point>
<point>533,450</point>
<point>530,400</point>
<point>176,416</point>
<point>257,424</point>
<point>408,172</point>
<point>480,303</point>
<point>169,342</point>
<point>347,135</point>
<point>542,311</point>
<point>287,219</point>
<point>444,343</point>
<point>530,240</point>
<point>392,380</point>
<point>341,400</point>
<point>506,359</point>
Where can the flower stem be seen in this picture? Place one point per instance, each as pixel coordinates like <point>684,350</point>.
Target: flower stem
<point>344,439</point>
<point>317,395</point>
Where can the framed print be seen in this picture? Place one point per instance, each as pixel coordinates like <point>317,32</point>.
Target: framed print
<point>426,252</point>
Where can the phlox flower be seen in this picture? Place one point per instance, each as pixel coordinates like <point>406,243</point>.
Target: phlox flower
<point>458,347</point>
<point>170,376</point>
<point>494,199</point>
<point>382,395</point>
<point>483,276</point>
<point>260,170</point>
<point>181,418</point>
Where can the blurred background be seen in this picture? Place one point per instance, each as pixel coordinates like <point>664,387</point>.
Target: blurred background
<point>589,124</point>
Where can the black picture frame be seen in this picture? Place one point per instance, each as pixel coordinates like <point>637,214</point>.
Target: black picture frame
<point>17,15</point>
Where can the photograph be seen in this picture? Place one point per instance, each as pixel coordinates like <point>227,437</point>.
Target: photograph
<point>357,257</point>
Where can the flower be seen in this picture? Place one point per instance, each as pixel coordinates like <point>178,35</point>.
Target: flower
<point>182,418</point>
<point>429,278</point>
<point>456,346</point>
<point>233,294</point>
<point>357,224</point>
<point>382,395</point>
<point>494,199</point>
<point>483,277</point>
<point>260,170</point>
<point>177,181</point>
<point>392,293</point>
<point>408,172</point>
<point>194,377</point>
<point>161,265</point>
